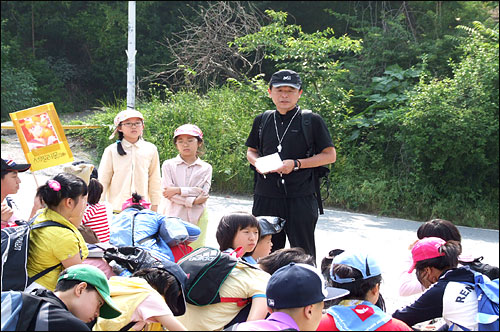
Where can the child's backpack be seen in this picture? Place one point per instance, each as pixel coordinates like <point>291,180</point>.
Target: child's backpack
<point>207,269</point>
<point>19,309</point>
<point>487,303</point>
<point>15,242</point>
<point>488,270</point>
<point>130,258</point>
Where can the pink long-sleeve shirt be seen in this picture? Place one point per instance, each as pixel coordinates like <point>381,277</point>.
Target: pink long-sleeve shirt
<point>193,180</point>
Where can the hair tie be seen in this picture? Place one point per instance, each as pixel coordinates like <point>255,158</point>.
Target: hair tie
<point>55,185</point>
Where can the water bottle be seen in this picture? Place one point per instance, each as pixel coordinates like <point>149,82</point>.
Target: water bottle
<point>119,270</point>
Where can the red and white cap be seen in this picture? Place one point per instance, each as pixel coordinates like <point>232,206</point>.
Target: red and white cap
<point>188,129</point>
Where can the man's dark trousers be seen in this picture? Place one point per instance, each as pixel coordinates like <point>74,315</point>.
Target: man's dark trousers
<point>301,215</point>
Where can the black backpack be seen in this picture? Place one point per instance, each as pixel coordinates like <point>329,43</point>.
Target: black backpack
<point>130,258</point>
<point>320,173</point>
<point>207,269</point>
<point>21,309</point>
<point>15,250</point>
<point>476,265</point>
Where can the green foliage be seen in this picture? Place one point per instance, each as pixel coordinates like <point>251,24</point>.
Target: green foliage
<point>389,92</point>
<point>459,153</point>
<point>18,90</point>
<point>18,85</point>
<point>313,55</point>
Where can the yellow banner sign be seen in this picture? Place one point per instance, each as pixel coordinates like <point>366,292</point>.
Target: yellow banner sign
<point>42,136</point>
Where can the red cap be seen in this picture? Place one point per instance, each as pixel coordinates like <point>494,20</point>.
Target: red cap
<point>427,248</point>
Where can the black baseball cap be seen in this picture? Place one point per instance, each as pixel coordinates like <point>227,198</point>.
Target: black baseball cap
<point>285,77</point>
<point>10,165</point>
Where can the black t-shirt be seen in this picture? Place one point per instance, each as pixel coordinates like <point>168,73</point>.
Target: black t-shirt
<point>298,183</point>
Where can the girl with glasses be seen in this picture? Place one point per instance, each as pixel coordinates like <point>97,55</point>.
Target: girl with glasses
<point>130,164</point>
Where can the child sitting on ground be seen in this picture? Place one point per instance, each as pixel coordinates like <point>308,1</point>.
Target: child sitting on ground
<point>360,274</point>
<point>268,226</point>
<point>237,234</point>
<point>244,282</point>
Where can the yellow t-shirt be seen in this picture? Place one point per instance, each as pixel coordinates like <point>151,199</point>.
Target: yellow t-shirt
<point>49,246</point>
<point>128,294</point>
<point>242,282</point>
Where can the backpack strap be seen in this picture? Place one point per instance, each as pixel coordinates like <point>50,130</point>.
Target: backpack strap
<point>307,130</point>
<point>263,121</point>
<point>232,327</point>
<point>133,226</point>
<point>128,326</point>
<point>47,270</point>
<point>29,311</point>
<point>240,302</point>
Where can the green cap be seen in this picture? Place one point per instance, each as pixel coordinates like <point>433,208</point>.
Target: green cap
<point>95,277</point>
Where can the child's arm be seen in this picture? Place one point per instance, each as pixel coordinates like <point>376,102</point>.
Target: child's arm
<point>170,323</point>
<point>154,184</point>
<point>105,172</point>
<point>171,191</point>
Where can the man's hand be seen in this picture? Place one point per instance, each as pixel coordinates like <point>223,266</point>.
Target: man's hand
<point>287,167</point>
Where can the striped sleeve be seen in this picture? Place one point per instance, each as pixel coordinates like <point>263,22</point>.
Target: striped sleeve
<point>96,218</point>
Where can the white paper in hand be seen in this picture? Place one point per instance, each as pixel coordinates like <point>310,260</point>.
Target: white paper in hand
<point>268,163</point>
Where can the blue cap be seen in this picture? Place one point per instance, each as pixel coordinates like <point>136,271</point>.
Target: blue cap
<point>298,285</point>
<point>360,261</point>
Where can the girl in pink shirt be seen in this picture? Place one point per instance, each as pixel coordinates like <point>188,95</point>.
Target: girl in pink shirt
<point>186,181</point>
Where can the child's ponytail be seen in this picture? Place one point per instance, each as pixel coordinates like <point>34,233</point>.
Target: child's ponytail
<point>119,146</point>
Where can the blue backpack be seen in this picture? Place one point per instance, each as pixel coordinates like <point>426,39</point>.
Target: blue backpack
<point>487,303</point>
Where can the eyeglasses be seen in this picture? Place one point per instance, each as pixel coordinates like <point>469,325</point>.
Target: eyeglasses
<point>132,124</point>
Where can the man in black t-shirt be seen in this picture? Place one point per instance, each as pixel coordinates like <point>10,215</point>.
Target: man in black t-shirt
<point>289,191</point>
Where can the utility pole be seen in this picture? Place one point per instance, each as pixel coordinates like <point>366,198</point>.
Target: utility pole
<point>131,52</point>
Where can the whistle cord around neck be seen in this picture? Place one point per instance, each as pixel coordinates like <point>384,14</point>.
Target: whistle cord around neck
<point>279,147</point>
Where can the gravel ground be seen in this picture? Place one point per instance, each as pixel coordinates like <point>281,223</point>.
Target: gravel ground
<point>386,238</point>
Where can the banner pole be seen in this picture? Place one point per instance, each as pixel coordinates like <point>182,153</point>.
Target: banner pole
<point>36,181</point>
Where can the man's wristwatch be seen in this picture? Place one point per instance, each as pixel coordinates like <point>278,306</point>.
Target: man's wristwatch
<point>296,165</point>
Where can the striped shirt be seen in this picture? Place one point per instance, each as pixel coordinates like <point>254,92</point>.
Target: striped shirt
<point>96,218</point>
